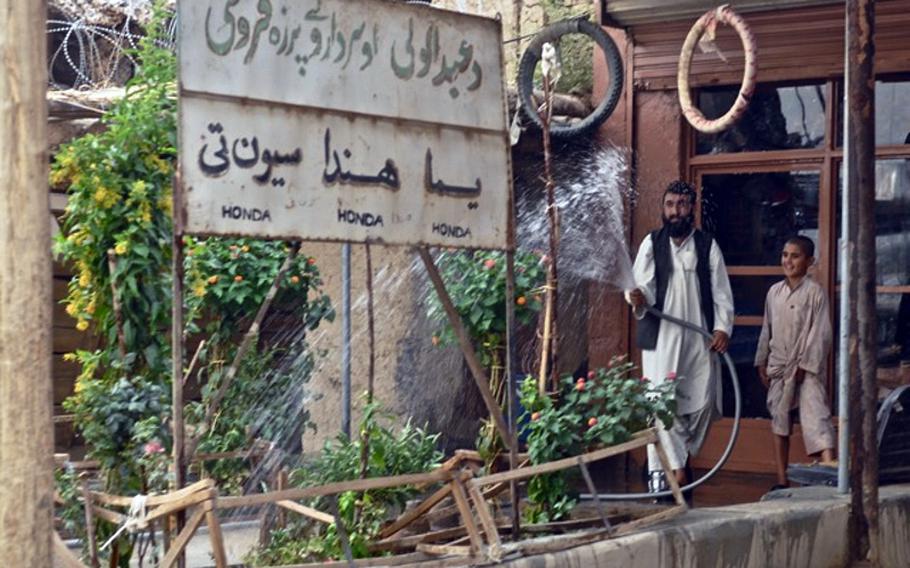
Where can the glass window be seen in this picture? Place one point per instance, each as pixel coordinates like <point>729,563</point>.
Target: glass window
<point>892,113</point>
<point>742,350</point>
<point>778,118</point>
<point>892,244</point>
<point>752,215</point>
<point>749,293</point>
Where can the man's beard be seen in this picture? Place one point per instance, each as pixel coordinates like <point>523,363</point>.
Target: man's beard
<point>681,226</point>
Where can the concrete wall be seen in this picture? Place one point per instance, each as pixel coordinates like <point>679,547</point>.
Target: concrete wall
<point>808,529</point>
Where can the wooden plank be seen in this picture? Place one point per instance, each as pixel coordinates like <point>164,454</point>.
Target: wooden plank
<point>467,517</point>
<point>215,537</point>
<point>409,542</point>
<point>669,473</point>
<point>108,515</point>
<point>181,504</point>
<point>153,500</point>
<point>412,558</point>
<point>412,515</point>
<point>306,511</point>
<point>185,535</point>
<point>445,550</point>
<point>333,488</point>
<point>490,531</point>
<point>565,463</point>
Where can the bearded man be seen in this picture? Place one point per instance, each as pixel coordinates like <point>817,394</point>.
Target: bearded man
<point>680,271</point>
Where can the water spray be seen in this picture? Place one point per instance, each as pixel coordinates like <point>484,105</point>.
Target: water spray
<point>737,397</point>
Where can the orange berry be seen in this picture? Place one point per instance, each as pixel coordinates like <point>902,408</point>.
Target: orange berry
<point>311,261</point>
<point>295,279</point>
<point>580,385</point>
<point>521,300</point>
<point>535,416</point>
<point>213,279</point>
<point>592,422</point>
<point>435,340</point>
<point>489,264</point>
<point>238,278</point>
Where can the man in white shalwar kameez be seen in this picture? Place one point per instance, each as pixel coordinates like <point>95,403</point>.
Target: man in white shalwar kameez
<point>680,270</point>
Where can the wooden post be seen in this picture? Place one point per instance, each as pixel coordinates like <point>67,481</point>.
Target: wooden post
<point>480,376</point>
<point>863,524</point>
<point>26,427</point>
<point>177,345</point>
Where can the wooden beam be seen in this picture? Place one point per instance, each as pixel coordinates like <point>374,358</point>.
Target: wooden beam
<point>185,535</point>
<point>566,463</point>
<point>308,512</point>
<point>410,516</point>
<point>333,488</point>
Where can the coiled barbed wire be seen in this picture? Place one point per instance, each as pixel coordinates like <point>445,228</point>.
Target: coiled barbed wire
<point>91,56</point>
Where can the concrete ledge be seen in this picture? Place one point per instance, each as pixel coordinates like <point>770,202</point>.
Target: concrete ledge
<point>796,527</point>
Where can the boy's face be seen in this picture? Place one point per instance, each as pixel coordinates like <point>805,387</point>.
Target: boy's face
<point>794,261</point>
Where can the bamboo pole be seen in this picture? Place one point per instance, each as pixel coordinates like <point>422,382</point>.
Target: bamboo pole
<point>26,428</point>
<point>550,346</point>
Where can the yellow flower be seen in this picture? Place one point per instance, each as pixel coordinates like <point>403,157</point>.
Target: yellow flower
<point>121,248</point>
<point>70,357</point>
<point>138,188</point>
<point>82,325</point>
<point>199,290</point>
<point>85,279</point>
<point>71,309</point>
<point>79,387</point>
<point>90,308</point>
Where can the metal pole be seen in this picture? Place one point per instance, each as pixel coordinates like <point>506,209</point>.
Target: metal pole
<point>346,339</point>
<point>26,428</point>
<point>511,387</point>
<point>846,314</point>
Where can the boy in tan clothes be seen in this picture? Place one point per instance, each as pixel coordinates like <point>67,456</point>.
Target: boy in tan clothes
<point>792,356</point>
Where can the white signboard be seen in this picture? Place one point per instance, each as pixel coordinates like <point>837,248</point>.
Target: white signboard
<point>352,120</point>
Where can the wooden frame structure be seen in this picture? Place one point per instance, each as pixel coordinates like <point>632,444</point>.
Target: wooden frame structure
<point>200,498</point>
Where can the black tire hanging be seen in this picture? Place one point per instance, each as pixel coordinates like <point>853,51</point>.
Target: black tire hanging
<point>531,57</point>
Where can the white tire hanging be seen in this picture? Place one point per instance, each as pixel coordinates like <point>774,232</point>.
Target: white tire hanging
<point>726,15</point>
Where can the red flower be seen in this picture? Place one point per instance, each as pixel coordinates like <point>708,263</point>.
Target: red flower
<point>671,376</point>
<point>644,379</point>
<point>580,385</point>
<point>489,264</point>
<point>153,447</point>
<point>591,375</point>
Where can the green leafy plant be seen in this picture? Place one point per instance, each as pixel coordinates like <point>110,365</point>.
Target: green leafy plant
<point>410,450</point>
<point>603,409</point>
<point>117,234</point>
<point>476,282</point>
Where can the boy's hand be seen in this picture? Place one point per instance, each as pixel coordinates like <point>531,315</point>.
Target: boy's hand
<point>720,342</point>
<point>637,298</point>
<point>763,375</point>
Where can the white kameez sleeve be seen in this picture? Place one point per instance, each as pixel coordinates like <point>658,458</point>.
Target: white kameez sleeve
<point>723,294</point>
<point>819,339</point>
<point>644,274</point>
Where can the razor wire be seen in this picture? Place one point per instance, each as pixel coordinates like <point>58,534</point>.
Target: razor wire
<point>92,56</point>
